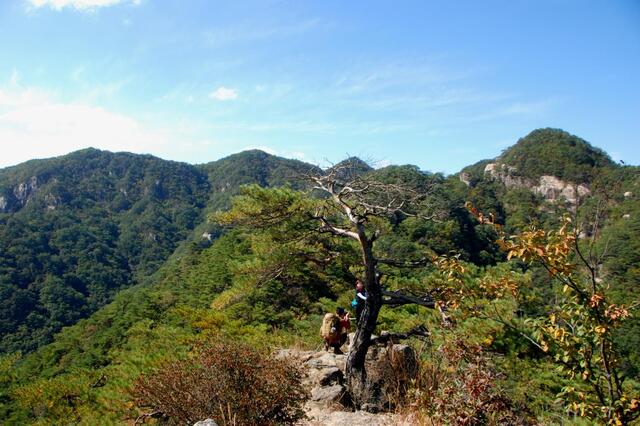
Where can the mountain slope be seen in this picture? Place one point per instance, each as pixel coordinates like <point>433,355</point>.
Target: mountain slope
<point>76,229</point>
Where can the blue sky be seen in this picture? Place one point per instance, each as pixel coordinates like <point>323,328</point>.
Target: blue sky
<point>438,84</point>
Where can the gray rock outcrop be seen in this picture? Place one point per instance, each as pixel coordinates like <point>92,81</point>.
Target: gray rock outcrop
<point>23,191</point>
<point>549,187</point>
<point>389,368</point>
<point>465,178</point>
<point>207,422</point>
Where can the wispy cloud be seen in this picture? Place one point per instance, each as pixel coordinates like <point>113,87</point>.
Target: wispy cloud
<point>434,98</point>
<point>376,77</point>
<point>522,108</point>
<point>224,94</point>
<point>82,5</point>
<point>254,31</point>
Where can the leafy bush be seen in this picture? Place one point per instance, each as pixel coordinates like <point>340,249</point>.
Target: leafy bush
<point>230,382</point>
<point>458,386</point>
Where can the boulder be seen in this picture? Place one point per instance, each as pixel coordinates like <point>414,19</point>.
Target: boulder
<point>207,422</point>
<point>326,376</point>
<point>324,360</point>
<point>328,394</point>
<point>390,370</point>
<point>300,356</point>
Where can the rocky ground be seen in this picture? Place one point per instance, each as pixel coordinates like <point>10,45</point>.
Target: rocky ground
<point>329,403</point>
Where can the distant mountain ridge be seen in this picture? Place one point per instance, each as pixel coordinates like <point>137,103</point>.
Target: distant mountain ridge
<point>76,229</point>
<point>130,233</point>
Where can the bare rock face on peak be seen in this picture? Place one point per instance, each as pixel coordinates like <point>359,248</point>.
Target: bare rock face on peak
<point>549,187</point>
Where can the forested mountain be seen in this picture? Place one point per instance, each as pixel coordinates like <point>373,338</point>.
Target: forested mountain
<point>76,230</point>
<point>557,153</point>
<point>252,167</point>
<point>552,152</point>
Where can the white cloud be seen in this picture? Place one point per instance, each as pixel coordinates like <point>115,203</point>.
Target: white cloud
<point>34,125</point>
<point>224,94</point>
<point>84,5</point>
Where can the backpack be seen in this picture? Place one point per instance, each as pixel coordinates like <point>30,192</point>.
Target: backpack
<point>330,329</point>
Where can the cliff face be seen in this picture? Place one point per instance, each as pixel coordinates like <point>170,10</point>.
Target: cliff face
<point>551,188</point>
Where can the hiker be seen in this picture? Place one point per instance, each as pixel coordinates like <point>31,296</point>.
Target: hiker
<point>334,327</point>
<point>330,331</point>
<point>358,301</point>
<point>345,324</point>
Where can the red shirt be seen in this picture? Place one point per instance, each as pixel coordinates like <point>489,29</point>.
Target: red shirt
<point>345,324</point>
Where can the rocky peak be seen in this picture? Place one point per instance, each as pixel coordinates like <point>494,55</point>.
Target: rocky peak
<point>549,187</point>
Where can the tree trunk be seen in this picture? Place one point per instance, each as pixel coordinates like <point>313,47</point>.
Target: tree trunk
<point>355,368</point>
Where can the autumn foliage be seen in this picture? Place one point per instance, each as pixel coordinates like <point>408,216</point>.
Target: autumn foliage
<point>458,385</point>
<point>230,382</point>
<point>577,332</point>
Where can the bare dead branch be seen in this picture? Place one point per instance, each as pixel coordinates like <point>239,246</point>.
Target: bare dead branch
<point>400,298</point>
<point>385,337</point>
<point>330,228</point>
